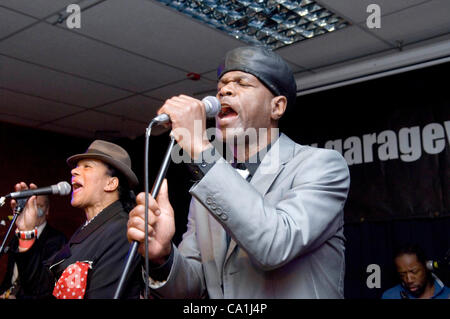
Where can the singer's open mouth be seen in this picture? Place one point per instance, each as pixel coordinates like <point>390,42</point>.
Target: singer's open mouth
<point>76,186</point>
<point>226,111</point>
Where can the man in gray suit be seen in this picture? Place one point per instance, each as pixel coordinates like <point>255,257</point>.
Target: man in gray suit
<point>273,230</point>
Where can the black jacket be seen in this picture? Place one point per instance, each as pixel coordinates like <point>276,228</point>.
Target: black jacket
<point>48,243</point>
<point>103,242</point>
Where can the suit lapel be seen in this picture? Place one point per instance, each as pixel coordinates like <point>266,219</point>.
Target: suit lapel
<point>271,166</point>
<point>273,163</point>
<point>231,248</point>
<point>98,221</point>
<point>212,239</point>
<point>83,232</point>
<point>219,243</point>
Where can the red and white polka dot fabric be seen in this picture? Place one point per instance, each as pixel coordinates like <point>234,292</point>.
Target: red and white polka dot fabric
<point>72,283</point>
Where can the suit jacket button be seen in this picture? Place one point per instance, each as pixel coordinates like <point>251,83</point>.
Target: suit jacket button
<point>209,200</point>
<point>223,216</point>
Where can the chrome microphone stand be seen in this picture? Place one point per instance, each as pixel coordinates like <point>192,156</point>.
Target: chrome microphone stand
<point>156,186</point>
<point>19,208</point>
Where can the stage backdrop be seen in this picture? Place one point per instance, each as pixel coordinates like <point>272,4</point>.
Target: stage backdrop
<point>394,133</point>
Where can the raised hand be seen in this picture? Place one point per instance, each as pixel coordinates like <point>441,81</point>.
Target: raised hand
<point>161,225</point>
<point>27,219</point>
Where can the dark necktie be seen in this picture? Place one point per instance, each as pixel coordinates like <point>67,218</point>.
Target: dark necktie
<point>244,172</point>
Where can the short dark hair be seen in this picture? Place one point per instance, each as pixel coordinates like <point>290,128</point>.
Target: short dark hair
<point>412,249</point>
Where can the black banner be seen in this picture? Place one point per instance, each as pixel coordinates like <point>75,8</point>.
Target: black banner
<point>394,133</point>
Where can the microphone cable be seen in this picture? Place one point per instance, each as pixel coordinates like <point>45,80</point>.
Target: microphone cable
<point>156,186</point>
<point>147,137</point>
<point>212,108</point>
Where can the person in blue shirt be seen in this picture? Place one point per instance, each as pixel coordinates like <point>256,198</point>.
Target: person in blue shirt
<point>417,282</point>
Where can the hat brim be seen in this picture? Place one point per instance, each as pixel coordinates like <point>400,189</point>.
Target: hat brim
<point>125,170</point>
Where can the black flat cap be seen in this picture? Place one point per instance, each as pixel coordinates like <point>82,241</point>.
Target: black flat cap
<point>266,65</point>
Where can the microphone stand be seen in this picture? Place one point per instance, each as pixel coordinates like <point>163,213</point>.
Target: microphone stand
<point>19,208</point>
<point>155,190</point>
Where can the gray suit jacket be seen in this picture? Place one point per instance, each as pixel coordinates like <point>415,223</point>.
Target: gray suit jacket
<point>286,227</point>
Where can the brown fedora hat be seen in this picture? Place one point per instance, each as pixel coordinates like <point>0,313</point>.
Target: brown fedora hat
<point>111,154</point>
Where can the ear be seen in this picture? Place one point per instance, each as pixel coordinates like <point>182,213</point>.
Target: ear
<point>279,104</point>
<point>112,184</point>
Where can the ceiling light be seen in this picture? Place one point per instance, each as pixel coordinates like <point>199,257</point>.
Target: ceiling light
<point>273,23</point>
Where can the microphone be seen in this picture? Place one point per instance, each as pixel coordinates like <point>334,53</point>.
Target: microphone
<point>62,188</point>
<point>438,264</point>
<point>211,104</point>
<point>443,263</point>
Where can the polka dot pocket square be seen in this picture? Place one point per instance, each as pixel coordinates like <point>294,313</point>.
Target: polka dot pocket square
<point>72,283</point>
